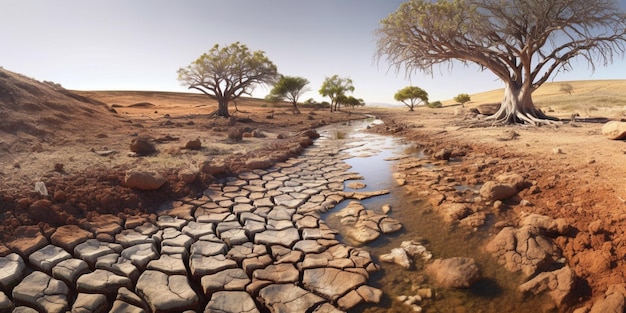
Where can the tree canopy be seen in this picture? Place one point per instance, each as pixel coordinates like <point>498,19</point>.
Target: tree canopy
<point>411,96</point>
<point>335,87</point>
<point>523,42</point>
<point>462,98</point>
<point>291,88</point>
<point>227,73</point>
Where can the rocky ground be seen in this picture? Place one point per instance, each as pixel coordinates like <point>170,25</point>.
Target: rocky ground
<point>240,214</point>
<point>557,193</point>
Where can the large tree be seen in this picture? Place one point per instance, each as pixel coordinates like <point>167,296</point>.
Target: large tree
<point>291,88</point>
<point>336,87</point>
<point>227,73</point>
<point>523,42</point>
<point>411,96</point>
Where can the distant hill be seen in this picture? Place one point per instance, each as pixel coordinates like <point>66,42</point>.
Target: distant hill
<point>586,96</point>
<point>32,111</point>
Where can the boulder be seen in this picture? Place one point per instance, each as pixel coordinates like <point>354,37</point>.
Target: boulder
<point>525,249</point>
<point>488,108</point>
<point>454,272</point>
<point>558,284</point>
<point>142,146</point>
<point>214,167</point>
<point>492,191</point>
<point>259,163</point>
<point>454,212</point>
<point>193,144</point>
<point>614,130</point>
<point>144,180</point>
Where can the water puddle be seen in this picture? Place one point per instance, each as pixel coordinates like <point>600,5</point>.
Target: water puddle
<point>373,156</point>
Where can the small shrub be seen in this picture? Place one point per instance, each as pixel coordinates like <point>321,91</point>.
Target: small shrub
<point>235,134</point>
<point>434,105</point>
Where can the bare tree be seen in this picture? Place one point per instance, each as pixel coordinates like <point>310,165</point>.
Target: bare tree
<point>523,42</point>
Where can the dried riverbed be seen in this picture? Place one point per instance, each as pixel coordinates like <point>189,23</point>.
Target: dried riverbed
<point>270,240</point>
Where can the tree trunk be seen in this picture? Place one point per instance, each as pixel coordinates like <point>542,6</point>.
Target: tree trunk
<point>295,108</point>
<point>222,108</point>
<point>518,107</point>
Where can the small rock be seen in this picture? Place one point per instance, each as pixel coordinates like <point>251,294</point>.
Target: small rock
<point>454,272</point>
<point>142,146</point>
<point>614,130</point>
<point>144,180</point>
<point>193,144</point>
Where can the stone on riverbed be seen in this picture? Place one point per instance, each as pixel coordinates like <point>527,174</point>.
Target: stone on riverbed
<point>525,249</point>
<point>397,256</point>
<point>405,255</point>
<point>558,284</point>
<point>363,226</point>
<point>454,272</point>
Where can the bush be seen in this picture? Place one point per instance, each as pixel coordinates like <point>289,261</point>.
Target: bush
<point>434,105</point>
<point>235,134</point>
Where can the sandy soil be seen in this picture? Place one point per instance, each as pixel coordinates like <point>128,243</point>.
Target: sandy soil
<point>80,148</point>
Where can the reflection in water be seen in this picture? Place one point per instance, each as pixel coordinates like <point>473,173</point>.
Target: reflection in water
<point>496,292</point>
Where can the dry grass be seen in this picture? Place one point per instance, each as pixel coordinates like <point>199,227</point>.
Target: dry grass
<point>588,98</point>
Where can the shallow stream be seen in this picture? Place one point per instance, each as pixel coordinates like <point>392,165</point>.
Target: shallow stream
<point>372,156</point>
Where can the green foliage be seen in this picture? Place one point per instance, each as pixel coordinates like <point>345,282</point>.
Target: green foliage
<point>411,96</point>
<point>434,105</point>
<point>289,87</point>
<point>226,73</point>
<point>336,87</point>
<point>462,98</point>
<point>350,101</point>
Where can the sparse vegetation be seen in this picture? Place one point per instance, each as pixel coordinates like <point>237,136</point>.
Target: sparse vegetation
<point>434,104</point>
<point>336,87</point>
<point>566,88</point>
<point>411,96</point>
<point>462,98</point>
<point>290,88</point>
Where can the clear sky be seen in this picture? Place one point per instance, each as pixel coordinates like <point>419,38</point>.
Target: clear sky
<point>140,44</point>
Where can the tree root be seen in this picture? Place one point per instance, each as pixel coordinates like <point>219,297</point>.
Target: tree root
<point>535,118</point>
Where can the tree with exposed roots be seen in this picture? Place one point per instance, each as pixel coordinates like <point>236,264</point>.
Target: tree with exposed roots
<point>335,88</point>
<point>291,88</point>
<point>523,42</point>
<point>411,96</point>
<point>227,73</point>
